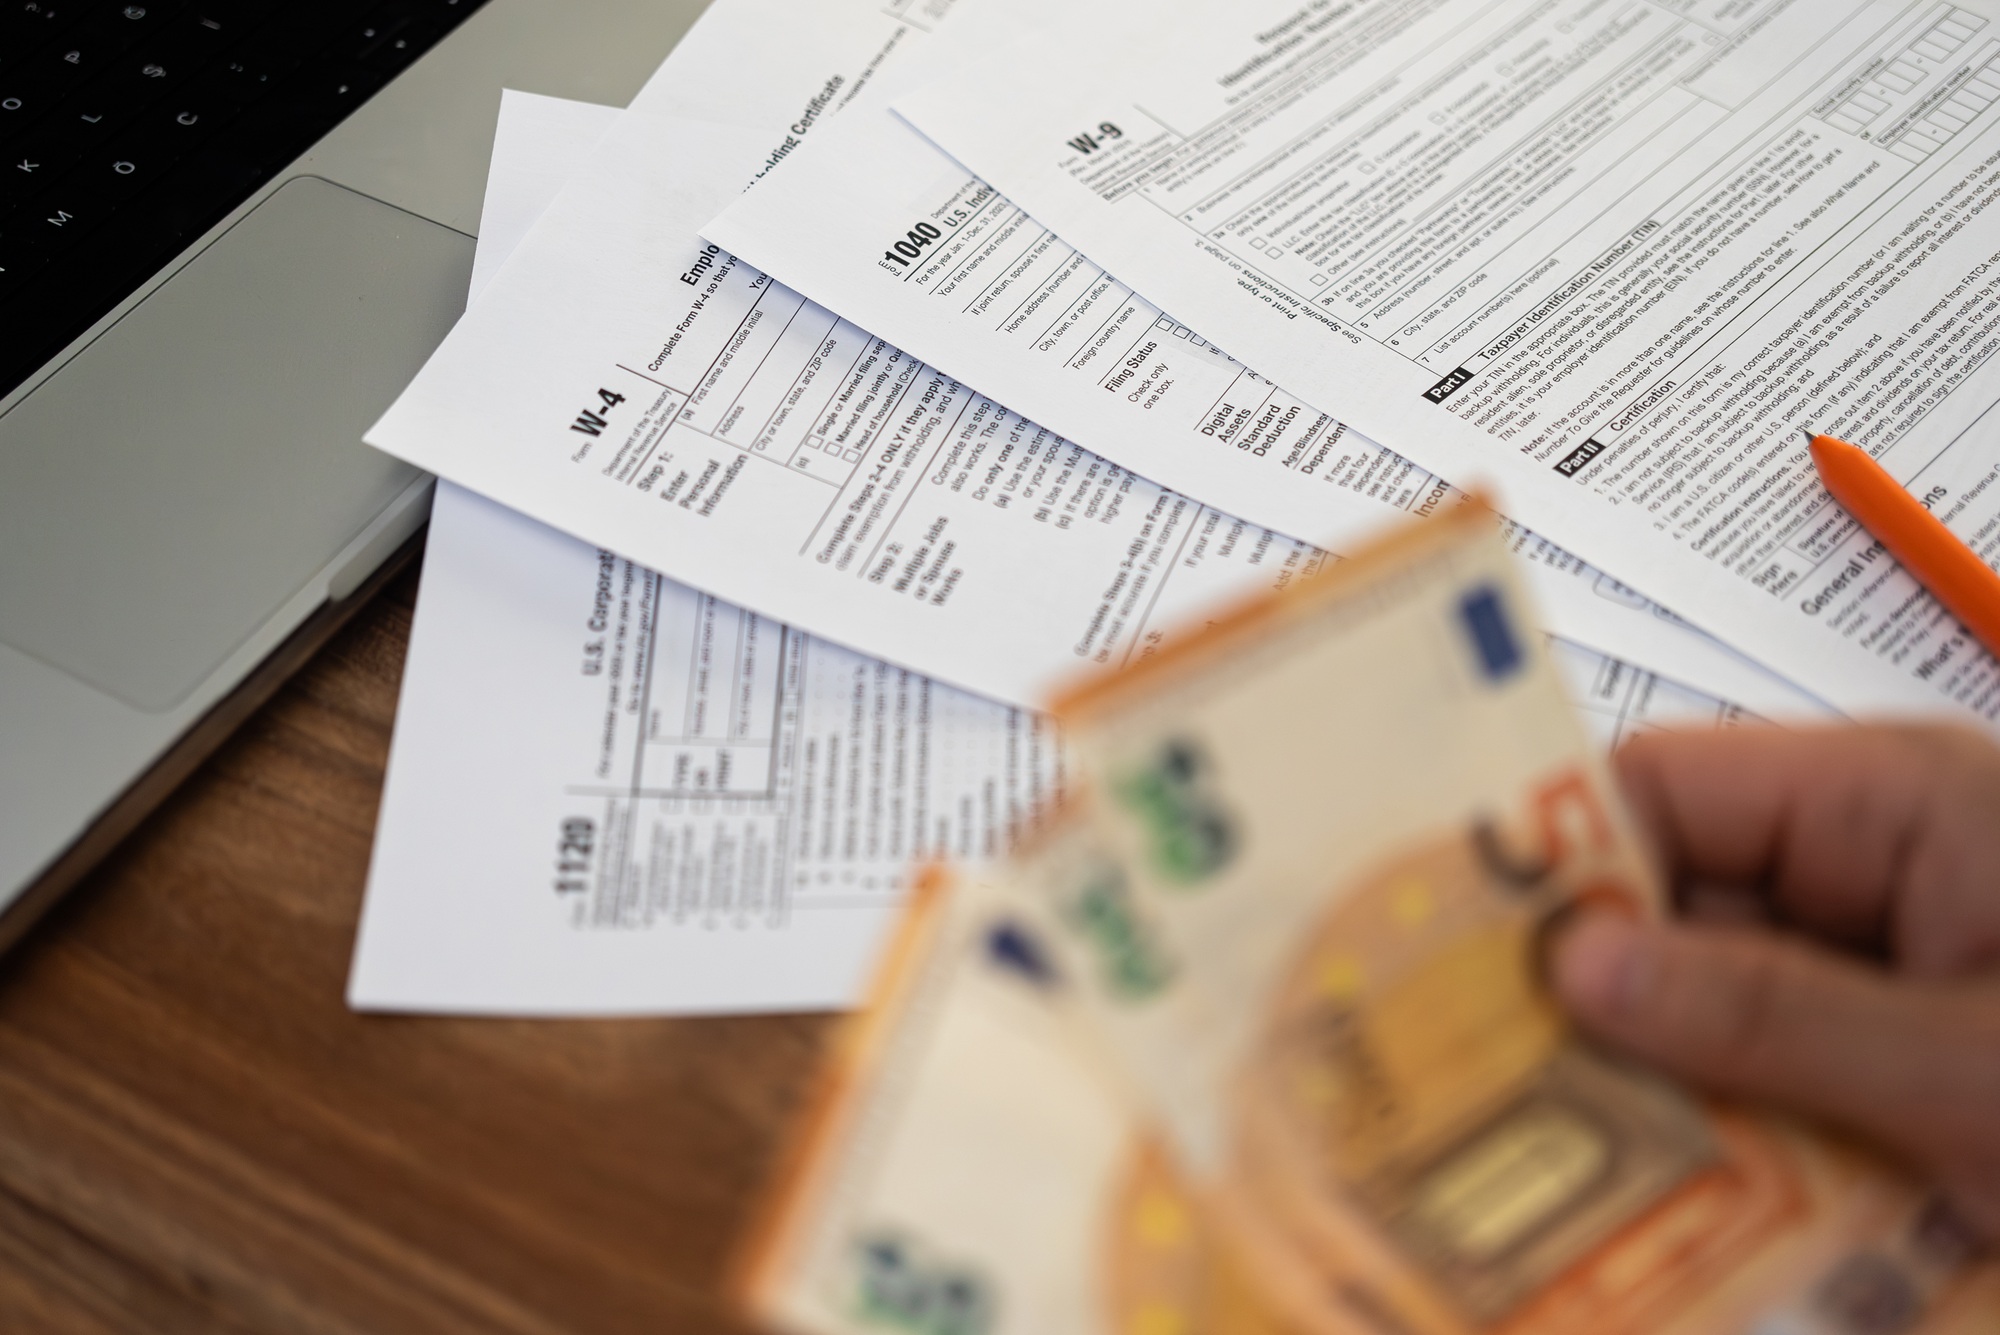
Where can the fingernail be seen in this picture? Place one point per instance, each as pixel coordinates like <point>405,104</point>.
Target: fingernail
<point>1602,965</point>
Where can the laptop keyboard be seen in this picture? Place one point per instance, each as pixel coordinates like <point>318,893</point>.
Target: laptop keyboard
<point>128,130</point>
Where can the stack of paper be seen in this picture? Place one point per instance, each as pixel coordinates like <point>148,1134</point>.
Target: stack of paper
<point>825,328</point>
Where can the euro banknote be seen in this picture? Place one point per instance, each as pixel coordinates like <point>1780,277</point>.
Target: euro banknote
<point>970,1168</point>
<point>1254,1038</point>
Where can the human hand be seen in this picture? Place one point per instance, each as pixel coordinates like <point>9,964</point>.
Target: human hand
<point>1838,947</point>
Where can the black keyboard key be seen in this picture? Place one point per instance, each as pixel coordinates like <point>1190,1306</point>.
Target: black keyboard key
<point>295,32</point>
<point>19,110</point>
<point>182,122</point>
<point>194,38</point>
<point>22,177</point>
<point>88,118</point>
<point>61,136</point>
<point>62,70</point>
<point>138,78</point>
<point>399,49</point>
<point>92,277</point>
<point>117,27</point>
<point>137,158</point>
<point>345,87</point>
<point>92,49</point>
<point>234,17</point>
<point>317,98</point>
<point>31,90</point>
<point>109,178</point>
<point>17,264</point>
<point>26,24</point>
<point>53,221</point>
<point>184,205</point>
<point>134,81</point>
<point>365,41</point>
<point>20,107</point>
<point>89,47</point>
<point>31,164</point>
<point>147,122</point>
<point>244,75</point>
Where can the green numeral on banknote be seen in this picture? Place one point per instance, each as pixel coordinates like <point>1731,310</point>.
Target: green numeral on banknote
<point>903,1290</point>
<point>1135,966</point>
<point>1192,834</point>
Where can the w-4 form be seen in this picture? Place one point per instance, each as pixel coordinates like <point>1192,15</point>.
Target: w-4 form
<point>1618,254</point>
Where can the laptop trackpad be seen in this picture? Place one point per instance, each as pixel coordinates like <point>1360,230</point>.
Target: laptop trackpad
<point>177,482</point>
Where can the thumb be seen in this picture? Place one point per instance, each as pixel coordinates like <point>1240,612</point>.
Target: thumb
<point>1756,1016</point>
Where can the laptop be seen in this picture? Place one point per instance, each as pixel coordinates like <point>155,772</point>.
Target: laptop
<point>230,232</point>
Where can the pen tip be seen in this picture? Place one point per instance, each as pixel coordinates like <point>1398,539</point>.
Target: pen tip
<point>1810,435</point>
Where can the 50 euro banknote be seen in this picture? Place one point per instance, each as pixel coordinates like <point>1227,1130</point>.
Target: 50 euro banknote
<point>1255,1039</point>
<point>971,1168</point>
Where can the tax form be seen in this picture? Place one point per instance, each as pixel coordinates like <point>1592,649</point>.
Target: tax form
<point>630,384</point>
<point>1616,255</point>
<point>647,391</point>
<point>871,220</point>
<point>612,794</point>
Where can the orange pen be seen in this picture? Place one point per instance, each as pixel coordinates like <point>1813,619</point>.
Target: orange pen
<point>1917,539</point>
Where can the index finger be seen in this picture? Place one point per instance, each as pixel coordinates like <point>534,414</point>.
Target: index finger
<point>1885,835</point>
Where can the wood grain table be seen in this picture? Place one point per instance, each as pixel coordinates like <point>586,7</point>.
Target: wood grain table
<point>196,1134</point>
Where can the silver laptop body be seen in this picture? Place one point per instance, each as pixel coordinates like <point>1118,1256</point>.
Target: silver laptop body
<point>186,508</point>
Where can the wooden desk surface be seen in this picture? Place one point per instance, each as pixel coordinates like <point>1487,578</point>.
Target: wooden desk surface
<point>196,1134</point>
